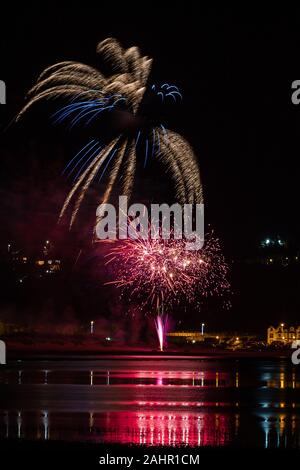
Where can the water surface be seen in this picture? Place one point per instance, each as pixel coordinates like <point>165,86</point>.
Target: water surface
<point>153,401</point>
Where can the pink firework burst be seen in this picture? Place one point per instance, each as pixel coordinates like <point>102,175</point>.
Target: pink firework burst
<point>164,272</point>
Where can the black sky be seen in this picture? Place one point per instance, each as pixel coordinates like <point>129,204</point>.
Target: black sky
<point>235,69</point>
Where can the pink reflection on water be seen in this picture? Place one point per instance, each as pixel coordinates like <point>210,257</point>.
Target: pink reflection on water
<point>168,428</point>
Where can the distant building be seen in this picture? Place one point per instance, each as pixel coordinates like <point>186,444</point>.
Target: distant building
<point>189,336</point>
<point>283,334</point>
<point>275,251</point>
<point>11,328</point>
<point>213,337</point>
<point>38,265</point>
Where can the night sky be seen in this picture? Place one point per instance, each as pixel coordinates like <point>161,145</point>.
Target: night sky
<point>235,70</point>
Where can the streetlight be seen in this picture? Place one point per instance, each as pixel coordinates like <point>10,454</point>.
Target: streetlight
<point>202,328</point>
<point>92,327</point>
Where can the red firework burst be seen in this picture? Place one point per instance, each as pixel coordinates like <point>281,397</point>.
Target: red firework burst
<point>164,271</point>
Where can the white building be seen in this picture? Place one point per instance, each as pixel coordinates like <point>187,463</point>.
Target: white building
<point>283,334</point>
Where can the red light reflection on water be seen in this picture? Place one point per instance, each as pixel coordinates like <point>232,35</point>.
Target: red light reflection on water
<point>163,428</point>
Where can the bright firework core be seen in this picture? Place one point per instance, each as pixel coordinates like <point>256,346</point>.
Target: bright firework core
<point>163,272</point>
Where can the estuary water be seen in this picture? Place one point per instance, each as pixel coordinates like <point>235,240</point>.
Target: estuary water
<point>153,400</point>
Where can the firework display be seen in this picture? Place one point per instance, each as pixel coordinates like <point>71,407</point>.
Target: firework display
<point>90,96</point>
<point>157,273</point>
<point>158,269</point>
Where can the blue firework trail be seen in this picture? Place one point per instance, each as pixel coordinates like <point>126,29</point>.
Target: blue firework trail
<point>77,155</point>
<point>91,95</point>
<point>146,152</point>
<point>137,138</point>
<point>85,155</point>
<point>85,163</point>
<point>165,90</point>
<point>84,113</point>
<point>113,153</point>
<point>64,113</point>
<point>153,142</point>
<point>145,143</point>
<point>79,110</point>
<point>92,148</point>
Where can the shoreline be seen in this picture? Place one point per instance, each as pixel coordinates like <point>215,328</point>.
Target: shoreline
<point>139,354</point>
